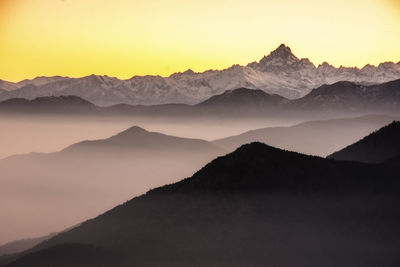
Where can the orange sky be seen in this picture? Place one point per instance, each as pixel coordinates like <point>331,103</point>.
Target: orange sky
<point>136,37</point>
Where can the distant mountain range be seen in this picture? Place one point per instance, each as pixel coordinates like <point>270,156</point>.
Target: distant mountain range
<point>49,104</point>
<point>377,147</point>
<point>258,206</point>
<point>335,100</point>
<point>241,101</point>
<point>351,97</point>
<point>280,72</point>
<point>89,177</point>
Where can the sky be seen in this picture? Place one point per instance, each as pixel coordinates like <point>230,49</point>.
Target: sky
<point>123,38</point>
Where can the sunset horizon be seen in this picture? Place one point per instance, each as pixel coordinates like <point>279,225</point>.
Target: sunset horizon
<point>190,69</point>
<point>124,39</point>
<point>188,133</point>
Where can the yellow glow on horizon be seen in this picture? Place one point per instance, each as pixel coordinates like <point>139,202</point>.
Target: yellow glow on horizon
<point>124,38</point>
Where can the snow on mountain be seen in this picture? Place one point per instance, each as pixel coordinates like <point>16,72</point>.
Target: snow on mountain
<point>7,86</point>
<point>280,72</point>
<point>40,80</point>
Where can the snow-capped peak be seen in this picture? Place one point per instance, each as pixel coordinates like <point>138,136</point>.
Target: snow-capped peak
<point>280,72</point>
<point>276,60</point>
<point>283,52</point>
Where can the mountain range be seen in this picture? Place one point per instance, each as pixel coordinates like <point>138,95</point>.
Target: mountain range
<point>49,104</point>
<point>351,97</point>
<point>336,100</point>
<point>280,72</point>
<point>246,208</point>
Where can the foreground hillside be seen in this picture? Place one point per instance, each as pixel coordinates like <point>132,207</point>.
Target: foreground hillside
<point>379,146</point>
<point>258,206</point>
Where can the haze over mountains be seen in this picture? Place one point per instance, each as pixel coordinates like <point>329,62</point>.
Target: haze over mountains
<point>313,137</point>
<point>281,72</point>
<point>139,142</point>
<point>259,205</point>
<point>245,209</point>
<point>89,177</point>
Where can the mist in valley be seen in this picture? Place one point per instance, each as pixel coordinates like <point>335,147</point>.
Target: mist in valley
<point>23,134</point>
<point>43,193</point>
<point>59,185</point>
<point>251,133</point>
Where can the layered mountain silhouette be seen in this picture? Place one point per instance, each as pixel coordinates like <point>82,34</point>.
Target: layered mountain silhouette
<point>90,177</point>
<point>245,209</point>
<point>242,101</point>
<point>49,105</point>
<point>141,142</point>
<point>280,72</point>
<point>313,138</point>
<point>352,97</point>
<point>379,146</point>
<point>339,99</point>
<point>22,245</point>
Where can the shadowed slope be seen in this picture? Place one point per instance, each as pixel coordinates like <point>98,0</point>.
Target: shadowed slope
<point>374,148</point>
<point>249,209</point>
<point>348,97</point>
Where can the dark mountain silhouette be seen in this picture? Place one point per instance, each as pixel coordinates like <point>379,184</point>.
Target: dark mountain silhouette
<point>395,161</point>
<point>313,137</point>
<point>242,100</point>
<point>49,104</point>
<point>246,209</point>
<point>379,146</point>
<point>74,105</point>
<point>344,97</point>
<point>89,177</point>
<point>338,99</point>
<point>68,255</point>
